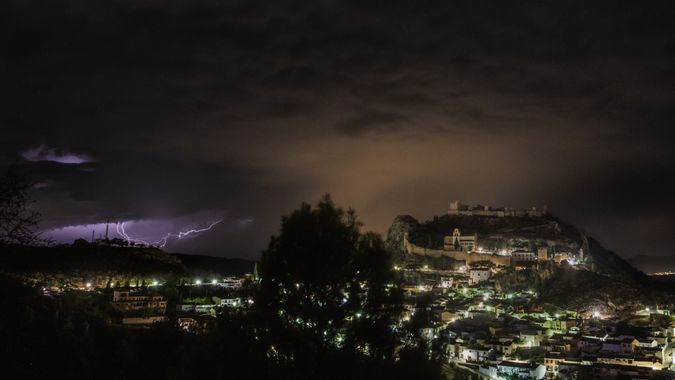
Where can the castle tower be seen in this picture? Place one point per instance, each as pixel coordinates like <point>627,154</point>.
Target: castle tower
<point>454,208</point>
<point>455,237</point>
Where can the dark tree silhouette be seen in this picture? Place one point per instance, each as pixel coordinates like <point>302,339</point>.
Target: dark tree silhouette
<point>325,286</point>
<point>18,222</point>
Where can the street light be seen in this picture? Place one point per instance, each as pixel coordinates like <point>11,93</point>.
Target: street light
<point>198,282</point>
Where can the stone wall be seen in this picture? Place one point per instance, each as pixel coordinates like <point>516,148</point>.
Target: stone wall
<point>467,257</point>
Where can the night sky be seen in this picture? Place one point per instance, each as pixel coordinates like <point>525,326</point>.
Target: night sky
<point>171,115</point>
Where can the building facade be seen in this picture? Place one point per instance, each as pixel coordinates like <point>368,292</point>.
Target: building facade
<point>459,242</point>
<point>127,301</point>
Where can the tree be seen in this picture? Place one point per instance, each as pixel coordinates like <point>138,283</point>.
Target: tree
<point>18,222</point>
<point>325,286</point>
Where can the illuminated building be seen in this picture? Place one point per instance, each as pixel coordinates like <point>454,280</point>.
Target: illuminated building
<point>459,242</point>
<point>126,301</point>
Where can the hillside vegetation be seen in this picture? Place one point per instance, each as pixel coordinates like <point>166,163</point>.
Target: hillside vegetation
<point>83,262</point>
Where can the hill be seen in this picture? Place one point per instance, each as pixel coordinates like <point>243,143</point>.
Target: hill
<point>511,233</point>
<point>82,259</point>
<point>589,292</point>
<point>207,265</point>
<point>605,283</point>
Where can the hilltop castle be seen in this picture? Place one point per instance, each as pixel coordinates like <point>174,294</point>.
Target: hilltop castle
<point>479,210</point>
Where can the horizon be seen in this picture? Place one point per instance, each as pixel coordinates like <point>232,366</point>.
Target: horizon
<point>69,234</point>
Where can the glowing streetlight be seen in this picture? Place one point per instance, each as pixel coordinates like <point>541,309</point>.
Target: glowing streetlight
<point>88,285</point>
<point>198,282</point>
<point>155,282</point>
<point>214,281</point>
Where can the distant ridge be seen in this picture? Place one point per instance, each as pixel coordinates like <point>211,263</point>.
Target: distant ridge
<point>83,257</point>
<point>200,264</point>
<point>653,264</point>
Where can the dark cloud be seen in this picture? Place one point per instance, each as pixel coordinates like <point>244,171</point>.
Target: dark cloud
<point>372,121</point>
<point>246,108</point>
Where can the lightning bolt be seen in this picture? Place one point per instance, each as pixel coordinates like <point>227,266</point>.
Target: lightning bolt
<point>119,227</point>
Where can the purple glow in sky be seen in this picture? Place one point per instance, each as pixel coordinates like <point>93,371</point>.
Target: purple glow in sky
<point>148,232</point>
<point>45,153</point>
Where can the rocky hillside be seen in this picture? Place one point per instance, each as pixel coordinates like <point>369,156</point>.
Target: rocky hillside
<point>527,233</point>
<point>402,224</point>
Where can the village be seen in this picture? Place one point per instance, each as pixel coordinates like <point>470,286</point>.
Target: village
<point>497,333</point>
<point>463,311</point>
<point>465,316</point>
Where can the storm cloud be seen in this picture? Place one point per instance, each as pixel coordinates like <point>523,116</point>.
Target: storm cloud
<point>243,109</point>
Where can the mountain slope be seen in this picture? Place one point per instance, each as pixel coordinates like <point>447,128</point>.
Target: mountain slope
<point>512,233</point>
<point>83,257</point>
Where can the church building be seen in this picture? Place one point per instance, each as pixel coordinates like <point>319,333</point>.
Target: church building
<point>459,242</point>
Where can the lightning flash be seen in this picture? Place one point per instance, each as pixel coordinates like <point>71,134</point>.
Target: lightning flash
<point>119,227</point>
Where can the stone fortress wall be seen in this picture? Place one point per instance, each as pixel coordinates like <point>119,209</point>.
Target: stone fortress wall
<point>467,257</point>
<point>479,210</point>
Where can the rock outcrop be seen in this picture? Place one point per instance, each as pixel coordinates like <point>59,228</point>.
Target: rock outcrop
<point>402,224</point>
<point>512,233</point>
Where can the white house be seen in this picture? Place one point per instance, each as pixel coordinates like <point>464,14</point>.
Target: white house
<point>475,353</point>
<point>446,282</point>
<point>478,275</point>
<point>521,369</point>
